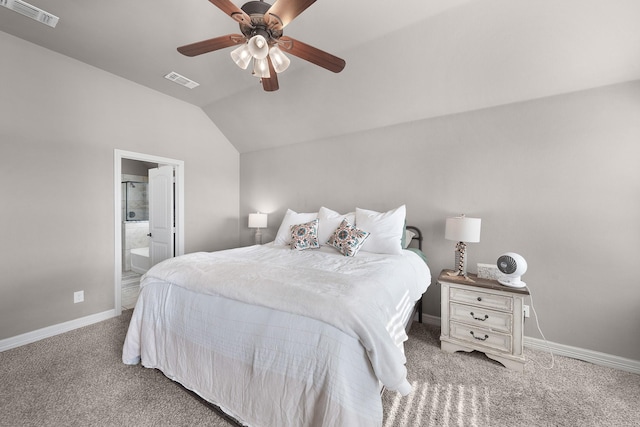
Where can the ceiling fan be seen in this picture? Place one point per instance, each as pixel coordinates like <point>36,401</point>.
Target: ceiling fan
<point>262,41</point>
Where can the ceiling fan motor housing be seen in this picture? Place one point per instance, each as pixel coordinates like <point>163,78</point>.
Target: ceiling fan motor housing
<point>255,8</point>
<point>256,11</point>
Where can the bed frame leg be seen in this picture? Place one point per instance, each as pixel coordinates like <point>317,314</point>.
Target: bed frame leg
<point>420,310</point>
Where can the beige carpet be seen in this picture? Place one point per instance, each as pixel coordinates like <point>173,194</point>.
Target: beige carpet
<point>78,379</point>
<point>469,389</point>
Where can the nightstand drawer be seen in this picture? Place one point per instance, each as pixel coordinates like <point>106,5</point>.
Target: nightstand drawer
<point>481,299</point>
<point>494,320</point>
<point>481,336</point>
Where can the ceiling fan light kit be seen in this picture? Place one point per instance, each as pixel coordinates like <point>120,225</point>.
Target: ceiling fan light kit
<point>261,68</point>
<point>241,56</point>
<point>262,40</point>
<point>278,59</point>
<point>258,47</point>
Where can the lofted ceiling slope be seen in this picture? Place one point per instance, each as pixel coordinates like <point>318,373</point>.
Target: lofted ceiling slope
<point>406,60</point>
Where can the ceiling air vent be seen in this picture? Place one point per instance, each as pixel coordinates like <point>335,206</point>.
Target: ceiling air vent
<point>30,11</point>
<point>181,80</point>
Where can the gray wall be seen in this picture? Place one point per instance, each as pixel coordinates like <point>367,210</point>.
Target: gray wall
<point>556,180</point>
<point>136,167</point>
<point>60,121</point>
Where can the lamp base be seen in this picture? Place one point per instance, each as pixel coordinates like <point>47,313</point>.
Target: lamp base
<point>461,275</point>
<point>460,262</point>
<point>258,237</point>
<point>461,265</point>
<point>455,273</point>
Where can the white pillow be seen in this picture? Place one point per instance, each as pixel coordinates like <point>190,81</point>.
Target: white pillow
<point>291,218</point>
<point>329,221</point>
<point>386,229</point>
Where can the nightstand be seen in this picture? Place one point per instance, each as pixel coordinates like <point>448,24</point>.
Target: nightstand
<point>483,315</point>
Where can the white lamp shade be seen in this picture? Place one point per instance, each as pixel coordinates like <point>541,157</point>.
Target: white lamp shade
<point>278,59</point>
<point>462,229</point>
<point>258,47</point>
<point>257,220</point>
<point>241,56</point>
<point>261,68</point>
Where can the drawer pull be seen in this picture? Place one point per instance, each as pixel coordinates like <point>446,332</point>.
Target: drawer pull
<point>479,298</point>
<point>482,319</point>
<point>479,338</point>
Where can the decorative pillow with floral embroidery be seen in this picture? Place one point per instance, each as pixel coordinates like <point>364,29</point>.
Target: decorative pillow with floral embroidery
<point>305,236</point>
<point>348,239</point>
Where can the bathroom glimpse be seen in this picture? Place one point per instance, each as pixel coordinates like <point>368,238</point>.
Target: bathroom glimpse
<point>135,223</point>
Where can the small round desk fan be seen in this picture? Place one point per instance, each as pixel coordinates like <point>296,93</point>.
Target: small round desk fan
<point>513,266</point>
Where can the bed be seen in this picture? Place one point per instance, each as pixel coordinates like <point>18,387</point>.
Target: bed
<point>280,337</point>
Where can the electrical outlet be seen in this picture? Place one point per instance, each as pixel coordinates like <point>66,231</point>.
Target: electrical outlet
<point>78,297</point>
<point>525,309</point>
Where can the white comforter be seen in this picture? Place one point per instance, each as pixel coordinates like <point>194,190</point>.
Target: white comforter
<point>365,297</point>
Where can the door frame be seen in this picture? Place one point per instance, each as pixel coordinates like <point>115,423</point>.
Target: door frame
<point>178,166</point>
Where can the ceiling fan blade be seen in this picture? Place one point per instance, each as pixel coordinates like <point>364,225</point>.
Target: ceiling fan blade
<point>198,48</point>
<point>282,12</point>
<point>233,11</point>
<point>311,54</point>
<point>271,84</point>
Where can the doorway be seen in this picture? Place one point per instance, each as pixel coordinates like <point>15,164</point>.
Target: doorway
<point>176,204</point>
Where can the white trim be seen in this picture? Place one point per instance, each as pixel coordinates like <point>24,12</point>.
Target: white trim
<point>595,357</point>
<point>50,331</point>
<point>117,200</point>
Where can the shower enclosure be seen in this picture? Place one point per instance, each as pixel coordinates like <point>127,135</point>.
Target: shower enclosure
<point>135,204</point>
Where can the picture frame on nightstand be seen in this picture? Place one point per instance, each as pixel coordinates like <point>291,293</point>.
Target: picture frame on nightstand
<point>489,271</point>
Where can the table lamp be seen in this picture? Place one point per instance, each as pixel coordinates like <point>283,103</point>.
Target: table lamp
<point>258,220</point>
<point>462,230</point>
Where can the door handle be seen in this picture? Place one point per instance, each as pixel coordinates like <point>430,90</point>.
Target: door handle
<point>149,235</point>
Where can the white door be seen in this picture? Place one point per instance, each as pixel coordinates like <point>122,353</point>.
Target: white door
<point>161,228</point>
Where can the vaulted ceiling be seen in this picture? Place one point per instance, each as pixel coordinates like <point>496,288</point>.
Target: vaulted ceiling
<point>406,60</point>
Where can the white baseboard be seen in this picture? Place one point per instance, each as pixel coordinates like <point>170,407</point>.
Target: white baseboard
<point>595,357</point>
<point>50,331</point>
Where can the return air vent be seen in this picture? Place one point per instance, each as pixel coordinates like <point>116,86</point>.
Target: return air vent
<point>30,11</point>
<point>181,80</point>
